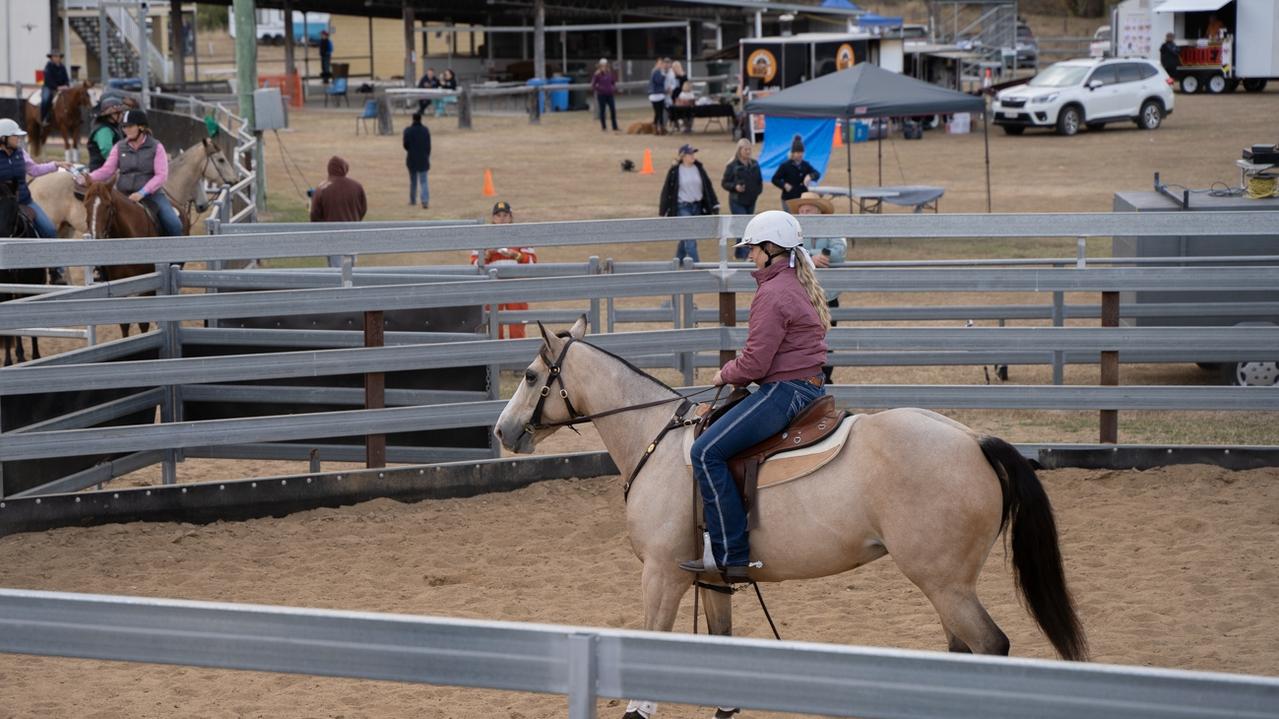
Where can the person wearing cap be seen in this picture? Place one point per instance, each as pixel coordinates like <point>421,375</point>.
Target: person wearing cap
<point>744,183</point>
<point>105,131</point>
<point>143,167</point>
<point>326,56</point>
<point>604,85</point>
<point>501,215</point>
<point>687,192</point>
<point>16,164</point>
<point>825,251</point>
<point>794,175</point>
<point>784,353</point>
<point>55,78</point>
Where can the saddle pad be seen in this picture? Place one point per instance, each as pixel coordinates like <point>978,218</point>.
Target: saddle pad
<point>796,463</point>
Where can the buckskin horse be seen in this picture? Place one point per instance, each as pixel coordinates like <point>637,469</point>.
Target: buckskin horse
<point>14,224</point>
<point>907,482</point>
<point>67,115</point>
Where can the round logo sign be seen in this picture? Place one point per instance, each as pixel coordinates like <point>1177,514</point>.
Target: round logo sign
<point>844,57</point>
<point>762,64</point>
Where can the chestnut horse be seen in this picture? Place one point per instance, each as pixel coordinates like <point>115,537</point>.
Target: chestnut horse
<point>67,115</point>
<point>908,482</point>
<point>109,214</point>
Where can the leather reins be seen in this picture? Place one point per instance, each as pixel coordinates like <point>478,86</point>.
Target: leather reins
<point>555,374</point>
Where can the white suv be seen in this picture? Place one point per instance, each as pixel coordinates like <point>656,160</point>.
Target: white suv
<point>1075,93</point>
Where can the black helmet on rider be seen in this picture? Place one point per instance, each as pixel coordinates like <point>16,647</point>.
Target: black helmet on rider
<point>135,117</point>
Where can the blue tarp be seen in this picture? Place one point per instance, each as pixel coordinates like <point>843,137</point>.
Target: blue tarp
<point>818,134</point>
<point>871,19</point>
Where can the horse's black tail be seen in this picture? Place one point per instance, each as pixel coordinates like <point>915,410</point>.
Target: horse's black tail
<point>1036,555</point>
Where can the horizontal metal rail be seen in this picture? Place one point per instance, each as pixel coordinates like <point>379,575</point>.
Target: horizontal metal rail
<point>259,228</point>
<point>320,241</point>
<point>353,396</point>
<point>1211,343</point>
<point>481,291</point>
<point>585,663</point>
<point>287,451</point>
<point>97,474</point>
<point>277,428</point>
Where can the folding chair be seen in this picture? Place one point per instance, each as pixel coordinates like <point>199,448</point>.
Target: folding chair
<point>337,91</point>
<point>370,113</point>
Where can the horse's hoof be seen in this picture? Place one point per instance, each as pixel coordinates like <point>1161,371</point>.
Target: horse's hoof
<point>632,715</point>
<point>722,713</point>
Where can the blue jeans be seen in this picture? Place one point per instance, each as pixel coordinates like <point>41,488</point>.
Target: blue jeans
<point>735,208</point>
<point>170,225</point>
<point>763,414</point>
<point>418,180</point>
<point>688,248</point>
<point>44,226</point>
<point>46,102</point>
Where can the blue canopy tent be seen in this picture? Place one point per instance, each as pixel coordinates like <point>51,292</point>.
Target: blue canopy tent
<point>867,19</point>
<point>867,90</point>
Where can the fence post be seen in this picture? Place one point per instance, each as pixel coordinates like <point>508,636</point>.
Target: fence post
<point>727,300</point>
<point>688,360</point>
<point>534,111</point>
<point>593,268</point>
<point>374,391</point>
<point>464,107</point>
<point>1109,418</point>
<point>170,348</point>
<point>1059,320</point>
<point>610,303</point>
<point>582,670</point>
<point>495,332</point>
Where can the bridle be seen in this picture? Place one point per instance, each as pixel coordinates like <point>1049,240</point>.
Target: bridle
<point>555,374</point>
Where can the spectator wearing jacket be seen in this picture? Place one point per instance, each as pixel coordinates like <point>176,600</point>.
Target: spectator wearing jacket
<point>657,94</point>
<point>604,85</point>
<point>338,199</point>
<point>417,157</point>
<point>687,192</point>
<point>428,82</point>
<point>744,183</point>
<point>55,78</point>
<point>793,176</point>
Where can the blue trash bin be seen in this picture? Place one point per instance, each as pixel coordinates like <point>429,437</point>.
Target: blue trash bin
<point>559,98</point>
<point>541,96</point>
<point>861,131</point>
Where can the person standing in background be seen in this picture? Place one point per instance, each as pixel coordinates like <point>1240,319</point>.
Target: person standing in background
<point>657,95</point>
<point>338,199</point>
<point>417,157</point>
<point>326,56</point>
<point>745,183</point>
<point>687,192</point>
<point>1170,54</point>
<point>794,175</point>
<point>604,84</point>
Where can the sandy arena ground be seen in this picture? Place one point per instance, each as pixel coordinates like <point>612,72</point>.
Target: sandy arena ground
<point>1172,567</point>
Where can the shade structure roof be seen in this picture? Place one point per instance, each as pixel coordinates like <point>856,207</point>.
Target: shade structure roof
<point>1191,5</point>
<point>865,90</point>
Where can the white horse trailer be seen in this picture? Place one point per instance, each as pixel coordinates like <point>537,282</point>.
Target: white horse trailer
<point>1222,43</point>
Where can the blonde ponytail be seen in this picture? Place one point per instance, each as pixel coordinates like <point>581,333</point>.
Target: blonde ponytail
<point>813,288</point>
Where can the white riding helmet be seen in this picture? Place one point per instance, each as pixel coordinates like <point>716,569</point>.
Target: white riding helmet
<point>775,226</point>
<point>9,128</point>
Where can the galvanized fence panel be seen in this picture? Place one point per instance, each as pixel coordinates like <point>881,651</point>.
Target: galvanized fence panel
<point>585,663</point>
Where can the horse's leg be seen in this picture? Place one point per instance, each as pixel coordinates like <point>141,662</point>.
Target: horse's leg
<point>35,347</point>
<point>124,330</point>
<point>968,625</point>
<point>663,585</point>
<point>719,622</point>
<point>20,351</point>
<point>6,340</point>
<point>144,326</point>
<point>955,644</point>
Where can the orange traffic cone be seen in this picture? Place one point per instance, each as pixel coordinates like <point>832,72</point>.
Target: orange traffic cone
<point>647,167</point>
<point>839,136</point>
<point>488,184</point>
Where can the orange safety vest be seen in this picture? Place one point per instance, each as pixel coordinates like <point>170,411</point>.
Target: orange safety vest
<point>507,256</point>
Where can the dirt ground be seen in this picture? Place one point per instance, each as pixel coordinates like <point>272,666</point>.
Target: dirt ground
<point>1170,568</point>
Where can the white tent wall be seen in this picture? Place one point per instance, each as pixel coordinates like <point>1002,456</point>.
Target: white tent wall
<point>25,35</point>
<point>1257,42</point>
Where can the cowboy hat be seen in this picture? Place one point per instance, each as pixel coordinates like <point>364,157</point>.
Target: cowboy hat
<point>811,198</point>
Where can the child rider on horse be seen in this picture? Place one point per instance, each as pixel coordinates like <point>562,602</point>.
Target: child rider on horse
<point>784,353</point>
<point>144,167</point>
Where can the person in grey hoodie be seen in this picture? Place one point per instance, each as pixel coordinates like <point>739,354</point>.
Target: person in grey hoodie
<point>784,353</point>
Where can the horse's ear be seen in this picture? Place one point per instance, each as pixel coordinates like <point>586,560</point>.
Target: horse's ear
<point>205,141</point>
<point>580,328</point>
<point>551,343</point>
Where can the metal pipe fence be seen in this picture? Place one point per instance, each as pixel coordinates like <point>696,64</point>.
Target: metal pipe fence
<point>589,663</point>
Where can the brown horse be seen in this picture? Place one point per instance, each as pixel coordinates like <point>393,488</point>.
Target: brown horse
<point>68,112</point>
<point>109,213</point>
<point>13,223</point>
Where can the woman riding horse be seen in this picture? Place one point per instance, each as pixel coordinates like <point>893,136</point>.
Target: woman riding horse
<point>144,167</point>
<point>16,164</point>
<point>55,78</point>
<point>784,352</point>
<point>105,132</point>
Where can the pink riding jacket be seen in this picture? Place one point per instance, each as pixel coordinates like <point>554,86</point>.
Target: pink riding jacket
<point>786,339</point>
